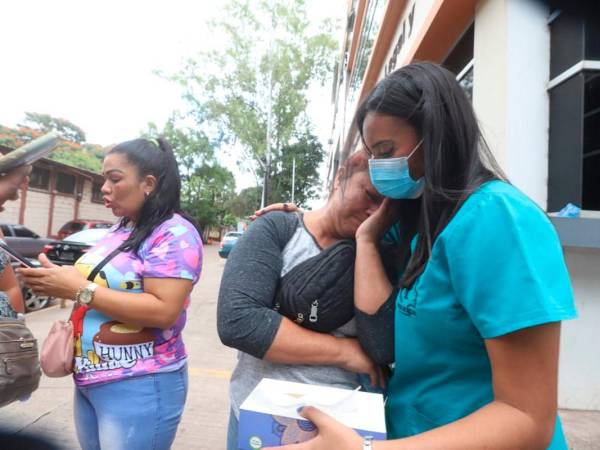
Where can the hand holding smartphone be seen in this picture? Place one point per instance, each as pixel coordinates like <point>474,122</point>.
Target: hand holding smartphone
<point>16,255</point>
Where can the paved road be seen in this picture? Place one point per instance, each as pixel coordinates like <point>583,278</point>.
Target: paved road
<point>204,422</point>
<point>50,410</point>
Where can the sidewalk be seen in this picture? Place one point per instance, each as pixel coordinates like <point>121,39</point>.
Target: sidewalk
<point>50,410</point>
<point>204,424</point>
<point>582,429</point>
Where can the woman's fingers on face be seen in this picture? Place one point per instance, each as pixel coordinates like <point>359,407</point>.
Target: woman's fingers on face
<point>386,206</point>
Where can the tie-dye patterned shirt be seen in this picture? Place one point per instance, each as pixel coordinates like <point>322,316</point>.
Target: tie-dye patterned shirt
<point>108,350</point>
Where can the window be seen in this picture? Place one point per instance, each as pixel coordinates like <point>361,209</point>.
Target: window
<point>40,178</point>
<point>465,79</point>
<point>21,231</point>
<point>65,183</point>
<point>574,90</point>
<point>591,142</point>
<point>370,27</point>
<point>5,230</point>
<point>460,60</point>
<point>97,192</point>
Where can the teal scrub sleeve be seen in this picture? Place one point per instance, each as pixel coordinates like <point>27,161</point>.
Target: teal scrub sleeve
<point>506,264</point>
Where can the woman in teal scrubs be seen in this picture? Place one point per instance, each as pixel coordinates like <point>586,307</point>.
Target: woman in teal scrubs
<point>484,287</point>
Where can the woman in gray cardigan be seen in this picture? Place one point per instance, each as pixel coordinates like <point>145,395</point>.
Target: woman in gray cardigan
<point>270,344</point>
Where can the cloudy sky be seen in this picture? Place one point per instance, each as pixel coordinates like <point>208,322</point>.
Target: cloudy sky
<point>92,62</point>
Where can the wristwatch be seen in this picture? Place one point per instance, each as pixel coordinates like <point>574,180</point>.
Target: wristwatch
<point>85,295</point>
<point>367,441</point>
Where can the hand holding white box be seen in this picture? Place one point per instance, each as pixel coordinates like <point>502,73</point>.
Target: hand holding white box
<point>269,416</point>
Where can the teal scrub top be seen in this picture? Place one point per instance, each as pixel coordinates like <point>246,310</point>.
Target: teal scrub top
<point>496,268</point>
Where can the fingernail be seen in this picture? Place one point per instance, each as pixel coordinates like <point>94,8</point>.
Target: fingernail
<point>299,409</point>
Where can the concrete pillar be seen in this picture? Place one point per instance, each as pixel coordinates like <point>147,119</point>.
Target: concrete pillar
<point>512,65</point>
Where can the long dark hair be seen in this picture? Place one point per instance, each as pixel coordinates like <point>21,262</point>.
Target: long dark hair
<point>153,157</point>
<point>457,158</point>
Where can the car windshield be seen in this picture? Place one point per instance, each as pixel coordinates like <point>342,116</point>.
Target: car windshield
<point>233,234</point>
<point>87,236</point>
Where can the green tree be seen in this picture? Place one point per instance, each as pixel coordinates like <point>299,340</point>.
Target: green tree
<point>207,187</point>
<point>245,203</point>
<point>308,153</point>
<point>83,156</point>
<point>45,122</point>
<point>88,157</point>
<point>192,148</point>
<point>255,89</point>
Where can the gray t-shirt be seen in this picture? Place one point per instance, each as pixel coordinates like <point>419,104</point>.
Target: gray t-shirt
<point>267,244</point>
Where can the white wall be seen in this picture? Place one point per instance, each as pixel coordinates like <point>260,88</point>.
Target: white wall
<point>90,210</point>
<point>489,74</point>
<point>37,212</point>
<point>11,211</point>
<point>512,54</point>
<point>579,375</point>
<point>512,66</point>
<point>64,211</point>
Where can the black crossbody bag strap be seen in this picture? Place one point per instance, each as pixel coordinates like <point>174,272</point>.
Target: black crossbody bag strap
<point>102,263</point>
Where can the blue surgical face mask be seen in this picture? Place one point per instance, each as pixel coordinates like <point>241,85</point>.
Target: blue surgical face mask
<point>391,177</point>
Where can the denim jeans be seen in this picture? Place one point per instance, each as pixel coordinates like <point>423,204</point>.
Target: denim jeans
<point>139,413</point>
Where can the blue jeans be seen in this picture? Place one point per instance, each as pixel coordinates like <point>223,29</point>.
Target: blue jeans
<point>139,413</point>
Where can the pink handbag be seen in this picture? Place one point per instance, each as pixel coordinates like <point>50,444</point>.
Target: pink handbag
<point>56,358</point>
<point>58,348</point>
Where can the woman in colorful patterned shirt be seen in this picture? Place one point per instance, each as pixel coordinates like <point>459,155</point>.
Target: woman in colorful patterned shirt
<point>130,365</point>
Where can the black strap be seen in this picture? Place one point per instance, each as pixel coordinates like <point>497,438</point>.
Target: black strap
<point>102,263</point>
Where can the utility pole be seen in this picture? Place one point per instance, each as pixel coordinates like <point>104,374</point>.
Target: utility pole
<point>265,190</point>
<point>293,178</point>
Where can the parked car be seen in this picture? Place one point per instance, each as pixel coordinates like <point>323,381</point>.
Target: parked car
<point>69,250</point>
<point>23,240</point>
<point>33,302</point>
<point>74,226</point>
<point>227,243</point>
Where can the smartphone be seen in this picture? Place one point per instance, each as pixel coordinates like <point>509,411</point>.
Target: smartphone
<point>16,255</point>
